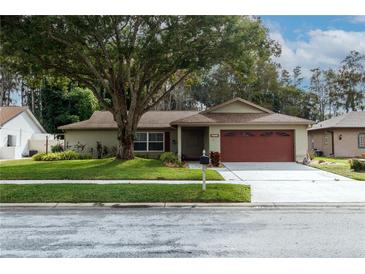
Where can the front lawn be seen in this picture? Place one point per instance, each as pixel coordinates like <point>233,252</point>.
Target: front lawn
<point>137,169</point>
<point>123,193</point>
<point>340,166</point>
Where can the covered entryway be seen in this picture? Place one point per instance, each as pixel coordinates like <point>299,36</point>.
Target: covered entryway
<point>257,145</point>
<point>193,141</point>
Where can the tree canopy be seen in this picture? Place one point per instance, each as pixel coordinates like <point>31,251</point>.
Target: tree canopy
<point>132,62</point>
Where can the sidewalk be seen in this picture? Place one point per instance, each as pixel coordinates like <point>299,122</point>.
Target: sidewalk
<point>180,205</point>
<point>102,182</point>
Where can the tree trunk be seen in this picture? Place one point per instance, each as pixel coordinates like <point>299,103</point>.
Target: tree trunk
<point>33,103</point>
<point>1,97</point>
<point>125,144</point>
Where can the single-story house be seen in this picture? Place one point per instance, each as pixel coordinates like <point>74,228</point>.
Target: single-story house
<point>341,136</point>
<point>240,130</point>
<point>20,132</point>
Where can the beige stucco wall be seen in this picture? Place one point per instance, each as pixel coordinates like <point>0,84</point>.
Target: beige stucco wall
<point>320,140</point>
<point>237,107</point>
<point>348,145</point>
<point>109,139</point>
<point>40,145</point>
<point>301,139</point>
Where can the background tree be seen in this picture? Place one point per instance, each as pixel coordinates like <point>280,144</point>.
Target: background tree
<point>62,103</point>
<point>9,82</point>
<point>351,81</point>
<point>127,60</point>
<point>317,87</point>
<point>332,90</point>
<point>297,77</point>
<point>285,78</point>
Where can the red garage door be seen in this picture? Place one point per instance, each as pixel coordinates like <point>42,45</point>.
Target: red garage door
<point>257,145</point>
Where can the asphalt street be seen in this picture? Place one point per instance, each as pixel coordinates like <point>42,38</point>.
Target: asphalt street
<point>182,232</point>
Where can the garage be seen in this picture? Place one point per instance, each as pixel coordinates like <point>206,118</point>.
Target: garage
<point>257,145</point>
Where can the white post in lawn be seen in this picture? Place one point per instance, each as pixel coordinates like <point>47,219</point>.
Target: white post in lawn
<point>179,145</point>
<point>204,167</point>
<point>204,184</point>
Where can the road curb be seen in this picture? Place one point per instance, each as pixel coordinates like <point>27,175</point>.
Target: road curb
<point>178,205</point>
<point>111,182</point>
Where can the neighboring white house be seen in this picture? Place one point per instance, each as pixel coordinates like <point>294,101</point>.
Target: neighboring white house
<point>19,133</point>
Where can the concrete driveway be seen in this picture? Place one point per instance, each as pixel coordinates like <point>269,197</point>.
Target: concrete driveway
<point>292,182</point>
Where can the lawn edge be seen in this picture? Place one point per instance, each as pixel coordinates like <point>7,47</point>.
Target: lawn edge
<point>294,205</point>
<point>339,174</point>
<point>111,181</point>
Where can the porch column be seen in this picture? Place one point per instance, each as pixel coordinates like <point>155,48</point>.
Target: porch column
<point>179,142</point>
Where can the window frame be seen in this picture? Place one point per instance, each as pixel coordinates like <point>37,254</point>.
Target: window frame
<point>148,141</point>
<point>11,140</point>
<point>361,134</point>
<point>326,140</point>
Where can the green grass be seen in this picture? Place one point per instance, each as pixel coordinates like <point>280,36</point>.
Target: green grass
<point>344,161</point>
<point>147,169</point>
<point>342,167</point>
<point>119,193</point>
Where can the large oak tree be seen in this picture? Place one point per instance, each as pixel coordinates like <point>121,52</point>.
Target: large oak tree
<point>131,62</point>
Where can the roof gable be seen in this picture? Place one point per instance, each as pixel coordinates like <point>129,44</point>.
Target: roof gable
<point>9,113</point>
<point>354,119</point>
<point>237,105</point>
<point>150,119</point>
<point>240,119</point>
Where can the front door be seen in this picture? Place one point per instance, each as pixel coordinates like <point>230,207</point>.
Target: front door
<point>192,143</point>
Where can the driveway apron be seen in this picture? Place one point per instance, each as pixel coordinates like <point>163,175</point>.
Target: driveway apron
<point>292,182</point>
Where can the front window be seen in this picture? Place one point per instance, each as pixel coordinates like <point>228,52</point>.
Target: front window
<point>326,140</point>
<point>361,140</point>
<point>149,141</point>
<point>11,141</point>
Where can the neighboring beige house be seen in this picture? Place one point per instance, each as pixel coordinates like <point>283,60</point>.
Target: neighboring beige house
<point>21,132</point>
<point>341,136</point>
<point>238,129</point>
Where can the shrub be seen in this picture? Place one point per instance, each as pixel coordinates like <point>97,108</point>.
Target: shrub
<point>64,155</point>
<point>79,147</point>
<point>113,150</point>
<point>52,156</point>
<point>57,148</point>
<point>86,156</point>
<point>69,155</point>
<point>38,156</point>
<point>357,165</point>
<point>215,158</point>
<point>169,158</point>
<point>99,149</point>
<point>105,151</point>
<point>311,154</point>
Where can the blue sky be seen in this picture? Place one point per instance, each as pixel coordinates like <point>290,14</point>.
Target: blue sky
<point>316,41</point>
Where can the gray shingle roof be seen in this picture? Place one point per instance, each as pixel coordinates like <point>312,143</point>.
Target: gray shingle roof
<point>166,119</point>
<point>240,118</point>
<point>151,119</point>
<point>355,119</point>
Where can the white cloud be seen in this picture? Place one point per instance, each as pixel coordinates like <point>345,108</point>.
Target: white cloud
<point>323,48</point>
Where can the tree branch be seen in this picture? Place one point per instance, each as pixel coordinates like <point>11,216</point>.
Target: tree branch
<point>154,102</point>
